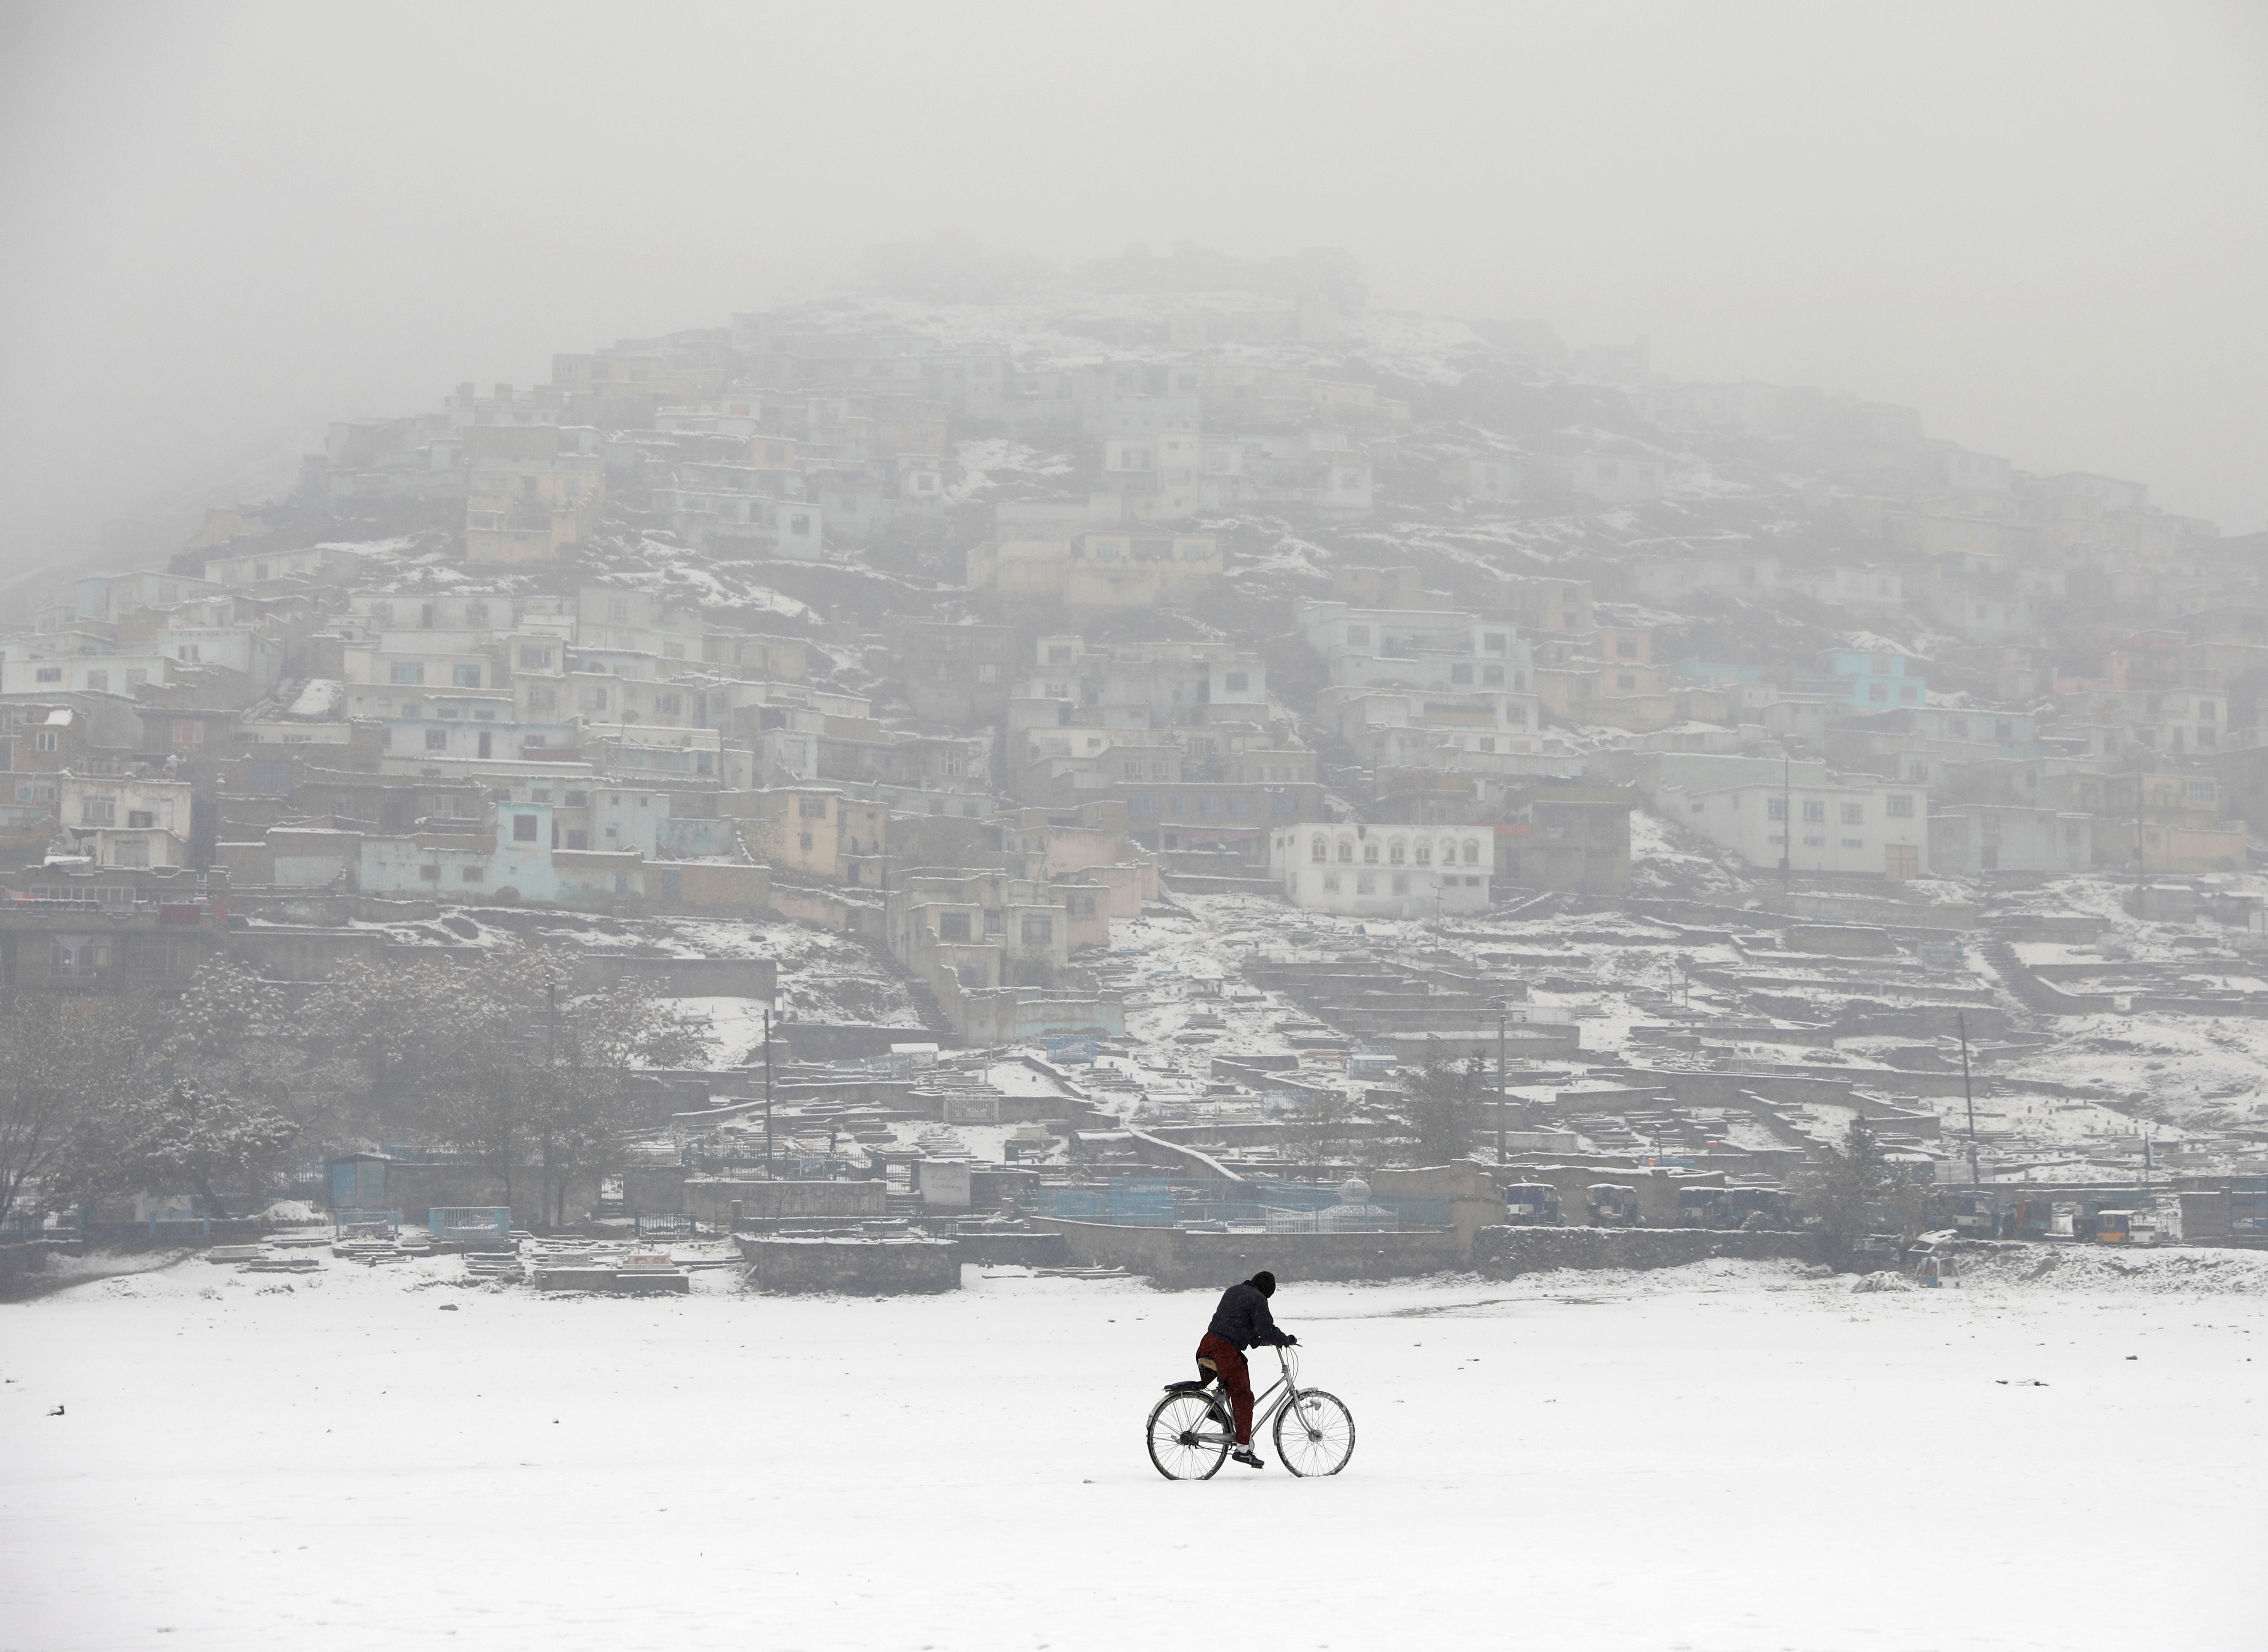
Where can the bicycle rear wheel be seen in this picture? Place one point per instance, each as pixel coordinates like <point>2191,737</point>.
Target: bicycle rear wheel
<point>1315,1434</point>
<point>1188,1437</point>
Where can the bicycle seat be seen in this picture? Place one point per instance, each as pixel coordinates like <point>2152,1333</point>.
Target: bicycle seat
<point>1188,1385</point>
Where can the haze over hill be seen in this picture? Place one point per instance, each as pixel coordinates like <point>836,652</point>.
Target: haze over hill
<point>2042,228</point>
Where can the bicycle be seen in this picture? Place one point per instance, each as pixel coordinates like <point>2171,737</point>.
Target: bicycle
<point>1191,1429</point>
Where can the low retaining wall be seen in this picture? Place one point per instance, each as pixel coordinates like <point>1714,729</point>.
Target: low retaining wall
<point>853,1267</point>
<point>1505,1253</point>
<point>1012,1250</point>
<point>1179,1258</point>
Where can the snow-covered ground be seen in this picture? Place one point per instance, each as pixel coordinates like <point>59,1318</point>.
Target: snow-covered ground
<point>1724,1456</point>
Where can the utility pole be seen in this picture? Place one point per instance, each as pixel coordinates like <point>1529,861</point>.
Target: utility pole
<point>768,1091</point>
<point>2141,866</point>
<point>1787,821</point>
<point>1970,1096</point>
<point>1500,1096</point>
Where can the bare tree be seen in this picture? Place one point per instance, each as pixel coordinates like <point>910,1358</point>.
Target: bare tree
<point>59,1057</point>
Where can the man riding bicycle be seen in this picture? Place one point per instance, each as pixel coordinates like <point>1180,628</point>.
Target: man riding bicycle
<point>1243,1321</point>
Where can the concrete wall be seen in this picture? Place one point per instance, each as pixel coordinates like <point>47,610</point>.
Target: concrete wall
<point>1181,1260</point>
<point>1505,1253</point>
<point>711,1199</point>
<point>862,1268</point>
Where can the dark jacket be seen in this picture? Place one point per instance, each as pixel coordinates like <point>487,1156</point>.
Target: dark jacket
<point>1243,1319</point>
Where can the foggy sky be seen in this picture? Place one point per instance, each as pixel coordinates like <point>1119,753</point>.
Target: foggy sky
<point>2044,225</point>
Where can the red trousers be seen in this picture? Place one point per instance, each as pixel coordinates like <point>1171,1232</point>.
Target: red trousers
<point>1216,1358</point>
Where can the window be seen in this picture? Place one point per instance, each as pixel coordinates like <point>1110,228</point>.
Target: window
<point>1237,682</point>
<point>1472,852</point>
<point>437,739</point>
<point>465,676</point>
<point>1132,767</point>
<point>1899,806</point>
<point>578,800</point>
<point>1492,675</point>
<point>666,705</point>
<point>131,852</point>
<point>811,808</point>
<point>953,927</point>
<point>1346,851</point>
<point>1814,813</point>
<point>1424,854</point>
<point>1365,883</point>
<point>1854,843</point>
<point>1038,929</point>
<point>1370,854</point>
<point>1776,809</point>
<point>1625,680</point>
<point>49,674</point>
<point>405,672</point>
<point>1493,641</point>
<point>1330,883</point>
<point>1358,635</point>
<point>1854,814</point>
<point>97,812</point>
<point>523,829</point>
<point>79,956</point>
<point>188,734</point>
<point>475,874</point>
<point>534,657</point>
<point>1141,802</point>
<point>1394,853</point>
<point>97,682</point>
<point>1319,850</point>
<point>141,820</point>
<point>542,699</point>
<point>1461,675</point>
<point>162,957</point>
<point>1161,768</point>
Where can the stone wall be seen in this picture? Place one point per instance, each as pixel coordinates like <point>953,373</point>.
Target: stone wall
<point>854,1268</point>
<point>1505,1253</point>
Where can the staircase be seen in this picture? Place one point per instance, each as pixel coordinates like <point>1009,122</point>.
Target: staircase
<point>927,1008</point>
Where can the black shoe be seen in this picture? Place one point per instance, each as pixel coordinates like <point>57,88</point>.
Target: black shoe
<point>1247,1456</point>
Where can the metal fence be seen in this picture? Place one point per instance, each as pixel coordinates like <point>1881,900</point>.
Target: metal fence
<point>468,1221</point>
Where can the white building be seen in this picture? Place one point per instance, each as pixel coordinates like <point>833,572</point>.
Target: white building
<point>1383,872</point>
<point>1856,823</point>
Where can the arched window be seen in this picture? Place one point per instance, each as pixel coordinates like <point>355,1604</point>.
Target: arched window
<point>1319,850</point>
<point>1369,855</point>
<point>1448,852</point>
<point>1472,852</point>
<point>1346,851</point>
<point>1394,853</point>
<point>1424,853</point>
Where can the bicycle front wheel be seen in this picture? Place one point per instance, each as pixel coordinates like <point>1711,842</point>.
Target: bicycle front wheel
<point>1315,1434</point>
<point>1188,1437</point>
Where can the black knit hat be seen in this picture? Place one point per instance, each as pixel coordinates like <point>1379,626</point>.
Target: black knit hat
<point>1264,1282</point>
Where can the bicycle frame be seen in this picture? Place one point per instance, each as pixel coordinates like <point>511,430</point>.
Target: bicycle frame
<point>1265,1406</point>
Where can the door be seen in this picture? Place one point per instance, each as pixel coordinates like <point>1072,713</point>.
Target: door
<point>484,744</point>
<point>1901,860</point>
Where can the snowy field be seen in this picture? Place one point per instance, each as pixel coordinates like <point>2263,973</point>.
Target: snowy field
<point>1722,1457</point>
